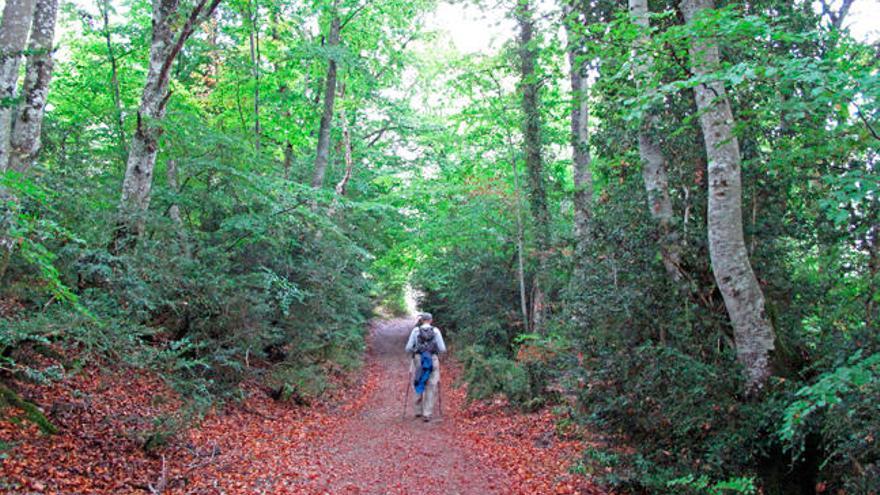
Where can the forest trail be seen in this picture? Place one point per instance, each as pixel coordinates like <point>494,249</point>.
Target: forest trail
<point>366,445</point>
<point>354,443</point>
<point>382,452</point>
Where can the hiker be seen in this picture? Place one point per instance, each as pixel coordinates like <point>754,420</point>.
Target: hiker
<point>425,342</point>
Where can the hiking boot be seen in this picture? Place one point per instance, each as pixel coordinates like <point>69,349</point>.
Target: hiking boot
<point>418,415</point>
<point>426,419</point>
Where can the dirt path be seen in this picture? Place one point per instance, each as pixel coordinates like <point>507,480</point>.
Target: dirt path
<point>382,452</point>
<point>367,447</point>
<point>362,445</point>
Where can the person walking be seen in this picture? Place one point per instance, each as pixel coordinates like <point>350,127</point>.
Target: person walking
<point>424,344</point>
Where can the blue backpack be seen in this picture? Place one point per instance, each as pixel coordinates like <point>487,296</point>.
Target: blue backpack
<point>424,372</point>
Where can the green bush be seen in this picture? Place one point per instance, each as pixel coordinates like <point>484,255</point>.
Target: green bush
<point>840,406</point>
<point>493,374</point>
<point>262,280</point>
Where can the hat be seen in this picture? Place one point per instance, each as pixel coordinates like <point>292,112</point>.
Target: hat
<point>425,316</point>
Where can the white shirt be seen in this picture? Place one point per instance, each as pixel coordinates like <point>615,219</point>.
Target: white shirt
<point>414,335</point>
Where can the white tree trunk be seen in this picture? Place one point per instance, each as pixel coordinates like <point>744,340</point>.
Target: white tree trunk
<point>753,333</point>
<point>580,141</point>
<point>168,37</point>
<point>145,142</point>
<point>14,29</point>
<point>520,224</point>
<point>342,185</point>
<point>520,234</point>
<point>171,177</point>
<point>322,155</point>
<point>654,168</point>
<point>25,139</point>
<point>174,209</point>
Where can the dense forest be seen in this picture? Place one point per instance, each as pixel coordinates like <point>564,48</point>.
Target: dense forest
<point>658,219</point>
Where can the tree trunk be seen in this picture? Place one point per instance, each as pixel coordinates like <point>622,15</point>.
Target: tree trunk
<point>583,177</point>
<point>114,79</point>
<point>322,156</point>
<point>654,168</point>
<point>349,163</point>
<point>288,159</point>
<point>174,209</point>
<point>753,334</point>
<point>166,43</point>
<point>255,67</point>
<point>520,227</point>
<point>212,32</point>
<point>532,148</point>
<point>532,123</point>
<point>520,236</point>
<point>580,141</point>
<point>25,141</point>
<point>14,28</point>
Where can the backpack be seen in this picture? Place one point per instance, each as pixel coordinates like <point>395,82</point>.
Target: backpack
<point>425,340</point>
<point>424,373</point>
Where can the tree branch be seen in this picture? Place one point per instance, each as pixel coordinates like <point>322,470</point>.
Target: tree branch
<point>353,14</point>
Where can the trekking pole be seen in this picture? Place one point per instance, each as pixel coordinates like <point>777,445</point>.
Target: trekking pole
<point>439,394</point>
<point>406,396</point>
<point>440,399</point>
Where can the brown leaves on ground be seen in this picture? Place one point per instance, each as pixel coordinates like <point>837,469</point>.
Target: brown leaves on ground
<point>99,448</point>
<point>356,443</point>
<point>526,446</point>
<point>105,419</point>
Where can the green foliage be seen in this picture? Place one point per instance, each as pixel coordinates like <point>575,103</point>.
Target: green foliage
<point>658,370</point>
<point>487,376</point>
<point>264,278</point>
<point>703,485</point>
<point>298,382</point>
<point>840,405</point>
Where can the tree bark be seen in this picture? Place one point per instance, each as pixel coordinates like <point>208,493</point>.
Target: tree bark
<point>583,177</point>
<point>753,334</point>
<point>342,185</point>
<point>349,163</point>
<point>14,28</point>
<point>580,141</point>
<point>254,39</point>
<point>836,17</point>
<point>166,43</point>
<point>529,86</point>
<point>288,159</point>
<point>654,168</point>
<point>322,155</point>
<point>25,140</point>
<point>114,79</point>
<point>520,234</point>
<point>174,209</point>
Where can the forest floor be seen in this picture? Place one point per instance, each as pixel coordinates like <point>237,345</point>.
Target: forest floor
<point>362,445</point>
